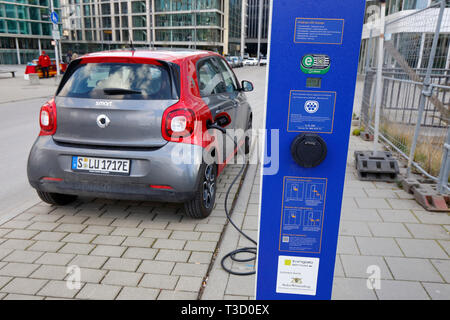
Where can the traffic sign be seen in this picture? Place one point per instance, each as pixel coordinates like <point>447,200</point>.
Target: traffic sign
<point>54,17</point>
<point>56,35</point>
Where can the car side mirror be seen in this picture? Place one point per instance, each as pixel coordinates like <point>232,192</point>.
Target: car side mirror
<point>247,86</point>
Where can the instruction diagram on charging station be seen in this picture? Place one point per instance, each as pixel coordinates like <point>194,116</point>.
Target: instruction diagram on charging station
<point>320,31</point>
<point>311,111</point>
<point>302,214</point>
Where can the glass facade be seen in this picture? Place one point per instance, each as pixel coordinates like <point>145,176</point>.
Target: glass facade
<point>415,47</point>
<point>198,23</point>
<point>184,5</point>
<point>182,23</point>
<point>253,26</point>
<point>24,24</point>
<point>393,6</point>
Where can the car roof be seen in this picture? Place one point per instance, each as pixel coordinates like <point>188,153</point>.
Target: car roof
<point>164,55</point>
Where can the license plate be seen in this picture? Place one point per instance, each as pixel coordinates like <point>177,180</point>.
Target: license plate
<point>101,165</point>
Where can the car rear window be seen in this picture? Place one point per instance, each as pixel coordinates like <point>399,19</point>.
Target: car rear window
<point>118,81</point>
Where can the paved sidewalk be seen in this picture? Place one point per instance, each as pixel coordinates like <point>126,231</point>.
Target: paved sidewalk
<point>19,89</point>
<point>381,226</point>
<point>125,250</point>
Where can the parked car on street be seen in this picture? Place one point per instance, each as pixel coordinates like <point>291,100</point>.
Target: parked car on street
<point>237,62</point>
<point>118,120</point>
<point>231,61</point>
<point>263,62</point>
<point>251,62</point>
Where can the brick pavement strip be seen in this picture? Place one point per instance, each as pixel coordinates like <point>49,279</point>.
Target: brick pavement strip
<point>124,249</point>
<point>380,226</point>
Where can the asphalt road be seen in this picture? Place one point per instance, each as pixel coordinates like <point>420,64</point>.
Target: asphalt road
<point>19,128</point>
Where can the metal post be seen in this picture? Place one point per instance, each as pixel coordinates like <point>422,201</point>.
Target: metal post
<point>379,83</point>
<point>427,89</point>
<point>55,29</point>
<point>243,24</point>
<point>260,15</point>
<point>372,105</point>
<point>18,52</point>
<point>422,45</point>
<point>100,22</point>
<point>445,166</point>
<point>195,24</point>
<point>368,65</point>
<point>368,52</point>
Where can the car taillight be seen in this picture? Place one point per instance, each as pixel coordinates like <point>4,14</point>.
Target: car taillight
<point>47,119</point>
<point>179,123</point>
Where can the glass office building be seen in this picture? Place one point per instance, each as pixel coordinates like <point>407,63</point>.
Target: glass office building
<point>414,46</point>
<point>25,29</point>
<point>253,26</point>
<point>91,25</point>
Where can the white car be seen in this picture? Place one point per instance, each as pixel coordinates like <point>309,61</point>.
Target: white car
<point>251,62</point>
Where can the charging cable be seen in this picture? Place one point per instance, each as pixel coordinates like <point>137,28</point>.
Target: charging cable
<point>247,250</point>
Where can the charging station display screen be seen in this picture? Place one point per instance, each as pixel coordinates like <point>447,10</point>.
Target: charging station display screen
<point>308,117</point>
<point>314,83</point>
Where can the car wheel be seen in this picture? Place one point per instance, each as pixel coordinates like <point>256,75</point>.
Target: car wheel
<point>202,204</point>
<point>56,198</point>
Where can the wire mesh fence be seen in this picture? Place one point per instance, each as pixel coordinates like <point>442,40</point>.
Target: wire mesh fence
<point>416,87</point>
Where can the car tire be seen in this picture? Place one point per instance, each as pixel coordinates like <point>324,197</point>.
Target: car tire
<point>202,204</point>
<point>56,198</point>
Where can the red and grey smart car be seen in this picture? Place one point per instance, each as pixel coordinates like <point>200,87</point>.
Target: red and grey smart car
<point>136,124</point>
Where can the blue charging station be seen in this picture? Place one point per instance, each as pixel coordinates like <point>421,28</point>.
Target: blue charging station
<point>314,51</point>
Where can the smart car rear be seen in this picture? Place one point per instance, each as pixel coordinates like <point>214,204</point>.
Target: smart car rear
<point>114,130</point>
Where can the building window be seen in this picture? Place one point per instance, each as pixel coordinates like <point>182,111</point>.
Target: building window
<point>10,11</point>
<point>414,4</point>
<point>88,35</point>
<point>22,12</point>
<point>208,19</point>
<point>2,26</point>
<point>35,28</point>
<point>138,7</point>
<point>124,7</point>
<point>139,21</point>
<point>12,26</point>
<point>124,21</point>
<point>139,35</point>
<point>106,22</point>
<point>87,10</point>
<point>46,29</point>
<point>125,36</point>
<point>208,35</point>
<point>106,9</point>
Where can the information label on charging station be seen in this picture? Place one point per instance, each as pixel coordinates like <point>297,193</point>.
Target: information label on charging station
<point>314,51</point>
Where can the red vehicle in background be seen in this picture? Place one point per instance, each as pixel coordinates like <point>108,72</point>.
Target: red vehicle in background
<point>33,67</point>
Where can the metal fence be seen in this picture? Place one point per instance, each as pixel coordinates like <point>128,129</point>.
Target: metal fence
<point>414,111</point>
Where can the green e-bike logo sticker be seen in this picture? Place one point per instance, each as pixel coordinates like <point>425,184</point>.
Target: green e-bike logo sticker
<point>315,64</point>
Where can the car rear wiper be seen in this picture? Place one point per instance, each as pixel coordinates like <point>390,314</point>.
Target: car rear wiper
<point>113,91</point>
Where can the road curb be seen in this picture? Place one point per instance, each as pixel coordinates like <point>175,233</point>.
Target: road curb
<point>216,279</point>
<point>27,99</point>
